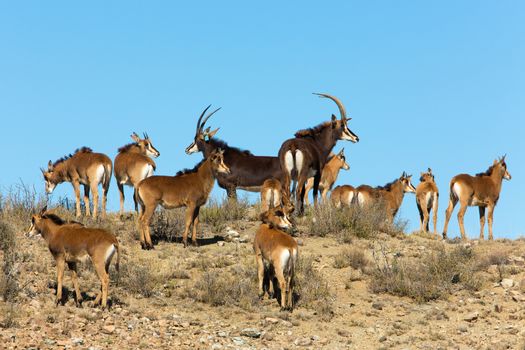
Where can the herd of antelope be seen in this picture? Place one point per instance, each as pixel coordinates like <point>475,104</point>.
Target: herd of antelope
<point>307,161</point>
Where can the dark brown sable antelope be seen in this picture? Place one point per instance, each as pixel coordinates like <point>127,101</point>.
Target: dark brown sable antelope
<point>390,194</point>
<point>247,172</point>
<point>306,155</point>
<point>189,188</point>
<point>83,167</point>
<point>427,196</point>
<point>481,190</point>
<point>279,250</point>
<point>342,196</point>
<point>335,163</point>
<point>133,164</point>
<point>71,243</point>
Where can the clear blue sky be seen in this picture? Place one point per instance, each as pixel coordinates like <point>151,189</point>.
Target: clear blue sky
<point>437,84</point>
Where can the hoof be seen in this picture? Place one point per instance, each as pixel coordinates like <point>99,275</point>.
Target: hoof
<point>185,244</point>
<point>194,243</point>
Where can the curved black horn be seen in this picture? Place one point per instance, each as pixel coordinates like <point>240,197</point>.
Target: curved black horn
<point>208,117</point>
<point>200,118</point>
<point>339,104</point>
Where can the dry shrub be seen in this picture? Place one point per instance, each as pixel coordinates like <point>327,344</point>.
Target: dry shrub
<point>353,256</point>
<point>139,278</point>
<point>312,290</point>
<point>8,280</point>
<point>218,214</point>
<point>167,225</point>
<point>355,221</point>
<point>11,314</point>
<point>434,276</point>
<point>235,286</point>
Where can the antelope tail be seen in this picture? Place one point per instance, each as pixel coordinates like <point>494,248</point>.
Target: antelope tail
<point>117,264</point>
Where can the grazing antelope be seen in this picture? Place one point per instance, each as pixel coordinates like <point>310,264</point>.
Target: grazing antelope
<point>247,171</point>
<point>279,250</point>
<point>427,196</point>
<point>335,163</point>
<point>189,188</point>
<point>342,196</point>
<point>391,194</point>
<point>133,164</point>
<point>83,167</point>
<point>72,242</point>
<point>481,190</point>
<point>305,155</point>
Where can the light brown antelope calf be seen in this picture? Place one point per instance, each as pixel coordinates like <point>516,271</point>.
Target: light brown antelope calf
<point>71,243</point>
<point>270,194</point>
<point>390,194</point>
<point>83,167</point>
<point>427,196</point>
<point>279,250</point>
<point>133,164</point>
<point>189,189</point>
<point>481,190</point>
<point>329,176</point>
<point>342,196</point>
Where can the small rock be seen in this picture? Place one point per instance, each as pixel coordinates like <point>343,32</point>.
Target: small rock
<point>238,341</point>
<point>220,243</point>
<point>498,308</point>
<point>507,283</point>
<point>251,333</point>
<point>471,317</point>
<point>271,320</point>
<point>463,328</point>
<point>343,333</point>
<point>382,339</point>
<point>377,306</point>
<point>300,242</point>
<point>267,336</point>
<point>287,324</point>
<point>77,341</point>
<point>216,346</point>
<point>303,342</point>
<point>109,329</point>
<point>244,239</point>
<point>222,334</point>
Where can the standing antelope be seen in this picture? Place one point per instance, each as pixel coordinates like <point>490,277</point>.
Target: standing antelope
<point>247,171</point>
<point>390,194</point>
<point>279,250</point>
<point>481,190</point>
<point>329,176</point>
<point>342,196</point>
<point>305,155</point>
<point>72,242</point>
<point>427,195</point>
<point>133,164</point>
<point>83,167</point>
<point>272,196</point>
<point>189,189</point>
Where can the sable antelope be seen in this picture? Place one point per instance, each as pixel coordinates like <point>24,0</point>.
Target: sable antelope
<point>305,155</point>
<point>189,188</point>
<point>83,167</point>
<point>427,195</point>
<point>279,250</point>
<point>247,172</point>
<point>335,163</point>
<point>272,196</point>
<point>481,190</point>
<point>133,164</point>
<point>390,194</point>
<point>342,196</point>
<point>71,243</point>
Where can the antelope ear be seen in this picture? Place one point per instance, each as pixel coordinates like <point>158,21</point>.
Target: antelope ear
<point>495,162</point>
<point>334,121</point>
<point>135,137</point>
<point>503,158</point>
<point>44,209</point>
<point>212,133</point>
<point>430,170</point>
<point>342,152</point>
<point>50,166</point>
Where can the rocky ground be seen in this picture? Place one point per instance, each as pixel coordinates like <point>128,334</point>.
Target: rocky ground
<point>165,299</point>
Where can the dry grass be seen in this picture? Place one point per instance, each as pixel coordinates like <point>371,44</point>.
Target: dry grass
<point>219,214</point>
<point>433,276</point>
<point>312,289</point>
<point>9,279</point>
<point>353,256</point>
<point>350,222</point>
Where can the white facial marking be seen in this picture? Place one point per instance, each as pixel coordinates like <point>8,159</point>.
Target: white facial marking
<point>288,161</point>
<point>192,148</point>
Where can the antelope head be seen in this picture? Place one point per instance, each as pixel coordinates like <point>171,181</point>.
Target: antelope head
<point>427,176</point>
<point>340,126</point>
<point>407,184</point>
<point>145,145</point>
<point>502,166</point>
<point>49,177</point>
<point>202,135</point>
<point>217,160</point>
<point>342,160</point>
<point>276,217</point>
<point>36,223</point>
